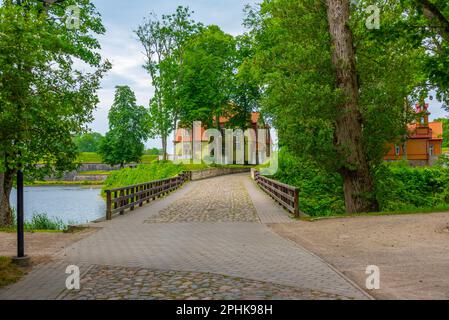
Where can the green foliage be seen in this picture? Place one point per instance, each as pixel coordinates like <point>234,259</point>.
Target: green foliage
<point>44,99</point>
<point>321,193</point>
<point>128,129</point>
<point>294,62</point>
<point>445,122</point>
<point>154,152</point>
<point>147,159</point>
<point>207,73</point>
<point>141,174</point>
<point>88,142</point>
<point>92,157</point>
<point>400,187</point>
<point>164,43</point>
<point>41,222</point>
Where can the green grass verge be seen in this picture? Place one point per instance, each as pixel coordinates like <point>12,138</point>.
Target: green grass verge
<point>40,222</point>
<point>14,230</point>
<point>147,159</point>
<point>9,273</point>
<point>154,171</point>
<point>411,211</point>
<point>89,157</point>
<point>94,173</point>
<point>64,183</point>
<point>93,157</point>
<point>143,173</point>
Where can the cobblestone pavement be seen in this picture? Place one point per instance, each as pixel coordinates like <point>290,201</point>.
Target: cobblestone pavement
<point>216,200</point>
<point>118,283</point>
<point>195,245</point>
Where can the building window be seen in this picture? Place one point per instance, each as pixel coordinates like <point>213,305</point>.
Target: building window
<point>431,151</point>
<point>398,150</point>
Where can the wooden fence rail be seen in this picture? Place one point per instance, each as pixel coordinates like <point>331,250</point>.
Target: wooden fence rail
<point>287,196</point>
<point>121,199</point>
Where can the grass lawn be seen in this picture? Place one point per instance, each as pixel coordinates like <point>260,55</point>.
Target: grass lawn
<point>445,150</point>
<point>93,157</point>
<point>89,157</point>
<point>14,230</point>
<point>380,214</point>
<point>64,183</point>
<point>9,273</point>
<point>147,159</point>
<point>95,173</point>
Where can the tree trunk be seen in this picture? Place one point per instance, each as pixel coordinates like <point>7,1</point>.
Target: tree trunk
<point>164,147</point>
<point>175,130</point>
<point>6,184</point>
<point>358,182</point>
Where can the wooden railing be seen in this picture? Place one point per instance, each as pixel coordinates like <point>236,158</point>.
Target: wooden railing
<point>121,199</point>
<point>287,196</point>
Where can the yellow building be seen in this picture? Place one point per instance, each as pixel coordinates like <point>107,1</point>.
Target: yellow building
<point>424,142</point>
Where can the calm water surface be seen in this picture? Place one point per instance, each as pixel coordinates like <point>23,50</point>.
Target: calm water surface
<point>71,204</point>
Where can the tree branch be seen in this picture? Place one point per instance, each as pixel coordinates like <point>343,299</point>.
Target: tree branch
<point>433,14</point>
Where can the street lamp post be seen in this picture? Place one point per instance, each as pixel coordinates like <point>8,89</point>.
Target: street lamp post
<point>20,216</point>
<point>21,258</point>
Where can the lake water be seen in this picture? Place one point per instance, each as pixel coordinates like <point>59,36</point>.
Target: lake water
<point>71,204</point>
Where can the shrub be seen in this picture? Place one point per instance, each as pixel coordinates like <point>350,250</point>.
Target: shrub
<point>399,187</point>
<point>141,174</point>
<point>40,222</point>
<point>321,193</point>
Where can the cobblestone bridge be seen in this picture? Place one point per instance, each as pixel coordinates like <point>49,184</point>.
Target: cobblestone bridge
<point>209,240</point>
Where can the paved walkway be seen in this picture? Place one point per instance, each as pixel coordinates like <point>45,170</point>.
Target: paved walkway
<point>205,241</point>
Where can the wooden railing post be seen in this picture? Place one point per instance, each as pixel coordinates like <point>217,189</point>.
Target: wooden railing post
<point>122,202</point>
<point>121,199</point>
<point>297,202</point>
<point>108,205</point>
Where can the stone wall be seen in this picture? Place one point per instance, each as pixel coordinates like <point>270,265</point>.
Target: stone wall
<point>216,172</point>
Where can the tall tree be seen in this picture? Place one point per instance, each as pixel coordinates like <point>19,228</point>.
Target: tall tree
<point>357,179</point>
<point>88,142</point>
<point>128,130</point>
<point>164,40</point>
<point>334,88</point>
<point>207,73</point>
<point>44,99</point>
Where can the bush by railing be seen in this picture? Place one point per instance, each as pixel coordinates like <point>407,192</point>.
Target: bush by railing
<point>287,196</point>
<point>121,199</point>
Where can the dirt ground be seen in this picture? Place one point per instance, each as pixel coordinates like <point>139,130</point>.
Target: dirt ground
<point>40,246</point>
<point>412,251</point>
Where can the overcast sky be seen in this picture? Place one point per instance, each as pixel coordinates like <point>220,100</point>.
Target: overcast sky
<point>122,48</point>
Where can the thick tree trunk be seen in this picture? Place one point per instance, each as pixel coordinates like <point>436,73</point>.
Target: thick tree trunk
<point>358,182</point>
<point>6,184</point>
